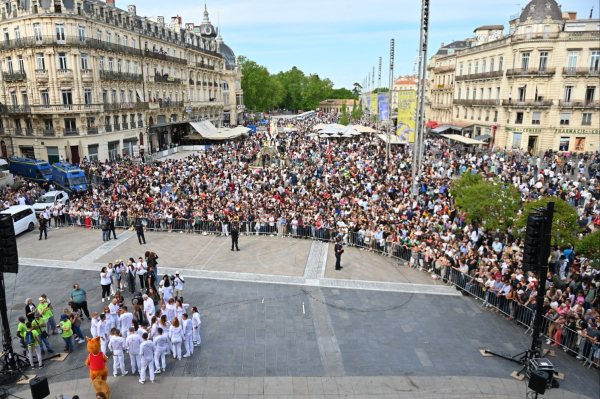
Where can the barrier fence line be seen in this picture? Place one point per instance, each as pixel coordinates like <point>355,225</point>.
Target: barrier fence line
<point>561,336</point>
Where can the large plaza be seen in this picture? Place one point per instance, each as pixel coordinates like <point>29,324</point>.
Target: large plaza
<point>277,322</point>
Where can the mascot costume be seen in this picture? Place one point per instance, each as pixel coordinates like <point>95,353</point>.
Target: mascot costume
<point>96,361</point>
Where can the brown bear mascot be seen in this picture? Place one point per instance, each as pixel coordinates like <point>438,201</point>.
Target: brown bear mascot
<point>96,361</point>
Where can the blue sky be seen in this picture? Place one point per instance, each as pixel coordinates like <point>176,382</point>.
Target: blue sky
<point>341,40</point>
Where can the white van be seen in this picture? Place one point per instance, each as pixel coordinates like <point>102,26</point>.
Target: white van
<point>23,217</point>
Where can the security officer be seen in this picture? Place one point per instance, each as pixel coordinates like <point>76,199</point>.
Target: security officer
<point>235,233</point>
<point>139,229</point>
<point>43,224</point>
<point>339,250</point>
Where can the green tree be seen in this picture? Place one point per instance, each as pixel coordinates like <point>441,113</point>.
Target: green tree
<point>344,119</point>
<point>381,90</point>
<point>357,111</point>
<point>259,90</point>
<point>356,89</point>
<point>491,203</point>
<point>315,91</point>
<point>589,247</point>
<point>293,82</point>
<point>564,222</point>
<point>341,94</point>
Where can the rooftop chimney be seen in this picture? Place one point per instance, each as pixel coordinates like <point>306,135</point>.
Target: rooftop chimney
<point>442,44</point>
<point>110,3</point>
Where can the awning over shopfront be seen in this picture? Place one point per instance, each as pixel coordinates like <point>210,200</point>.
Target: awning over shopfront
<point>432,124</point>
<point>461,139</point>
<point>208,131</point>
<point>483,137</point>
<point>441,129</point>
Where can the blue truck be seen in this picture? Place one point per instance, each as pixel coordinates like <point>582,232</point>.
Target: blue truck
<point>30,168</point>
<point>69,178</point>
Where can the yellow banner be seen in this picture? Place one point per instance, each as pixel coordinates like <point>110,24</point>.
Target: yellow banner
<point>407,104</point>
<point>373,107</point>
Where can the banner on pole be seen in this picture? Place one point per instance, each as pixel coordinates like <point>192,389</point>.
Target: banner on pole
<point>373,106</point>
<point>384,106</point>
<point>407,105</point>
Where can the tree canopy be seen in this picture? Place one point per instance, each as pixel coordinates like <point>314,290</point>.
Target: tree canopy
<point>589,247</point>
<point>491,203</point>
<point>292,90</point>
<point>344,119</point>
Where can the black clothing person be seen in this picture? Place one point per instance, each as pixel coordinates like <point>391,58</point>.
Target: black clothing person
<point>339,250</point>
<point>111,227</point>
<point>139,229</point>
<point>235,233</point>
<point>43,227</point>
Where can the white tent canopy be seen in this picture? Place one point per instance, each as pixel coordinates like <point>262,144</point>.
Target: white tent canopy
<point>208,131</point>
<point>329,130</point>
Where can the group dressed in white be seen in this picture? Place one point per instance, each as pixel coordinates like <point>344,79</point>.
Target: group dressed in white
<point>149,344</point>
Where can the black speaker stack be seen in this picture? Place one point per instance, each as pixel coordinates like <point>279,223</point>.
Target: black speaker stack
<point>39,388</point>
<point>9,257</point>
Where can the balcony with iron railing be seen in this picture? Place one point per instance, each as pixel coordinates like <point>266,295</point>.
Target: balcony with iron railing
<point>125,125</point>
<point>579,104</point>
<point>14,76</point>
<point>125,106</point>
<point>140,124</point>
<point>477,76</point>
<point>202,65</point>
<point>170,104</point>
<point>477,102</point>
<point>164,57</point>
<point>49,132</point>
<point>92,130</point>
<point>108,128</point>
<point>132,124</point>
<point>527,103</point>
<point>15,109</point>
<point>581,71</point>
<point>202,50</point>
<point>117,127</point>
<point>164,79</point>
<point>530,72</point>
<point>123,76</point>
<point>447,86</point>
<point>71,131</point>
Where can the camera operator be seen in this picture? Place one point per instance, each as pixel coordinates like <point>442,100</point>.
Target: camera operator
<point>178,286</point>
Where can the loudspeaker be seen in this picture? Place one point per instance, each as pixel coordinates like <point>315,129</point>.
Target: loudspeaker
<point>9,256</point>
<point>537,381</point>
<point>39,387</point>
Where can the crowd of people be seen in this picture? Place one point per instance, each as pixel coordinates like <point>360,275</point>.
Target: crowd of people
<point>323,188</point>
<point>157,323</point>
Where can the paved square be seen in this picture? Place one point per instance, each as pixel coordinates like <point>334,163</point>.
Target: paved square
<point>367,266</point>
<point>260,338</point>
<point>69,243</point>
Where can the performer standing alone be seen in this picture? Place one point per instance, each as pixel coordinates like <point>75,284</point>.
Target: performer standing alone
<point>339,250</point>
<point>235,233</point>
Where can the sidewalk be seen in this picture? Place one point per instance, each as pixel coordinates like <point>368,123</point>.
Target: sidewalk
<point>304,388</point>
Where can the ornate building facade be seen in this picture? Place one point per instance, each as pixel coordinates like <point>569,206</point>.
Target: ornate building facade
<point>85,78</point>
<point>535,88</point>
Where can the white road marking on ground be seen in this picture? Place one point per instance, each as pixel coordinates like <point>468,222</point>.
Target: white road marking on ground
<point>200,252</point>
<point>202,268</point>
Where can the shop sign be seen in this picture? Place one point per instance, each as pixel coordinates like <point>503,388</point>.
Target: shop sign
<point>577,131</point>
<point>512,129</point>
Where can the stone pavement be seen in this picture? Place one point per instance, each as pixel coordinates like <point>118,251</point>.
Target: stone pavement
<point>309,388</point>
<point>261,259</point>
<point>263,340</point>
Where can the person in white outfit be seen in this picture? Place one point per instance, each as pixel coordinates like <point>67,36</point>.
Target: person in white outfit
<point>148,307</point>
<point>103,332</point>
<point>147,352</point>
<point>196,322</point>
<point>133,343</point>
<point>187,336</point>
<point>114,314</point>
<point>94,324</point>
<point>161,343</point>
<point>125,319</point>
<point>176,337</point>
<point>116,345</point>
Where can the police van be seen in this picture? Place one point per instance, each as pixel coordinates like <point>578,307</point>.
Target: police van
<point>69,178</point>
<point>30,168</point>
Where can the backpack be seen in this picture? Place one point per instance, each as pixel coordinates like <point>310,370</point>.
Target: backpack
<point>137,299</point>
<point>29,338</point>
<point>104,226</point>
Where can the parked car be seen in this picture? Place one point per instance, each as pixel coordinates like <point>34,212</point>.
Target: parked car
<point>23,217</point>
<point>48,200</point>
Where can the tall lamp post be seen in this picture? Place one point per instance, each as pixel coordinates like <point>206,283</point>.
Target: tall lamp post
<point>389,129</point>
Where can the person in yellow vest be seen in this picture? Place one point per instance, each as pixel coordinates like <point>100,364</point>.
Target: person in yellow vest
<point>67,332</point>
